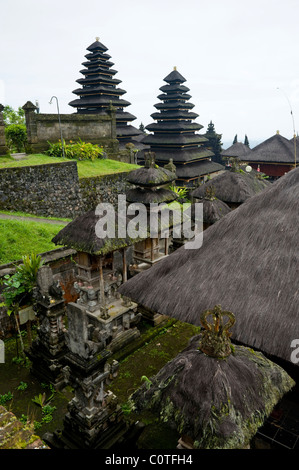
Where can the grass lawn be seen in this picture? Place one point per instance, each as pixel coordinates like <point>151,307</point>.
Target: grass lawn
<point>86,168</point>
<point>18,238</point>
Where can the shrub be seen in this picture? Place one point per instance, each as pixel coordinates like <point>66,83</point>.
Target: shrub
<point>78,150</point>
<point>19,286</point>
<point>16,136</point>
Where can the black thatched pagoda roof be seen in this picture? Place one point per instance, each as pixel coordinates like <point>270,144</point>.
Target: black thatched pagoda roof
<point>148,196</point>
<point>174,77</point>
<point>150,181</point>
<point>99,91</point>
<point>248,263</point>
<point>150,177</point>
<point>174,134</point>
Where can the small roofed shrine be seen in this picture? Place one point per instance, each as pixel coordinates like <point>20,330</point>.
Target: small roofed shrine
<point>238,151</point>
<point>152,189</point>
<point>152,184</point>
<point>99,91</point>
<point>216,394</point>
<point>174,135</point>
<point>232,187</point>
<point>213,209</point>
<point>101,269</point>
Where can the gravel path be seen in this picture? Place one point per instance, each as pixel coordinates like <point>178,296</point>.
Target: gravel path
<point>33,219</point>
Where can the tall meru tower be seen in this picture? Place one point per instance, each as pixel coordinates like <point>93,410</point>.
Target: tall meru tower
<point>100,90</point>
<point>175,134</point>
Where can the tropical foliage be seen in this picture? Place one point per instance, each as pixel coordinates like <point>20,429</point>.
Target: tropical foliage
<point>78,150</point>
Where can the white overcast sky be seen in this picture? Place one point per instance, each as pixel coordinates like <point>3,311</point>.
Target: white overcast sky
<point>240,58</point>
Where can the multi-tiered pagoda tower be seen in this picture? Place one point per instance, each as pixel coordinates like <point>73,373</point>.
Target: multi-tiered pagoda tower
<point>100,90</point>
<point>174,134</point>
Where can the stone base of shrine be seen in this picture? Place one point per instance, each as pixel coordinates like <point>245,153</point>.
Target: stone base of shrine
<point>151,317</point>
<point>118,435</point>
<point>46,368</point>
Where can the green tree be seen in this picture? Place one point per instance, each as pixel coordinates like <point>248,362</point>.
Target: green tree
<point>18,288</point>
<point>16,136</point>
<point>214,142</point>
<point>246,141</point>
<point>12,116</point>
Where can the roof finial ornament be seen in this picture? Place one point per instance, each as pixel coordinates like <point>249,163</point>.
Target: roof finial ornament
<point>149,159</point>
<point>174,68</point>
<point>97,38</point>
<point>215,341</point>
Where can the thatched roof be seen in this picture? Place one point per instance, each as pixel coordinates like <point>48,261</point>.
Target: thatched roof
<point>217,403</point>
<point>213,210</point>
<point>199,168</point>
<point>232,187</point>
<point>80,234</point>
<point>238,150</point>
<point>150,177</point>
<point>276,149</point>
<point>248,263</point>
<point>148,196</point>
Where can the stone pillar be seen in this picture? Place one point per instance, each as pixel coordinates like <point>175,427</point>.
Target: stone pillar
<point>4,150</point>
<point>49,348</point>
<point>111,112</point>
<point>30,117</point>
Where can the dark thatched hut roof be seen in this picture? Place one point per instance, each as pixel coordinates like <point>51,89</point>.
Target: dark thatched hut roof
<point>237,150</point>
<point>219,404</point>
<point>213,210</point>
<point>150,177</point>
<point>232,187</point>
<point>276,149</point>
<point>248,263</point>
<point>149,196</point>
<point>80,234</point>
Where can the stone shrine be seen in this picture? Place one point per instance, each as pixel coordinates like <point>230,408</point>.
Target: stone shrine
<point>111,318</point>
<point>151,190</point>
<point>94,419</point>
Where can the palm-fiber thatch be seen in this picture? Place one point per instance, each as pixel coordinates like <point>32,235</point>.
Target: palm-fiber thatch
<point>219,404</point>
<point>276,149</point>
<point>237,150</point>
<point>150,196</point>
<point>150,177</point>
<point>213,210</point>
<point>248,263</point>
<point>80,234</point>
<point>232,187</point>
